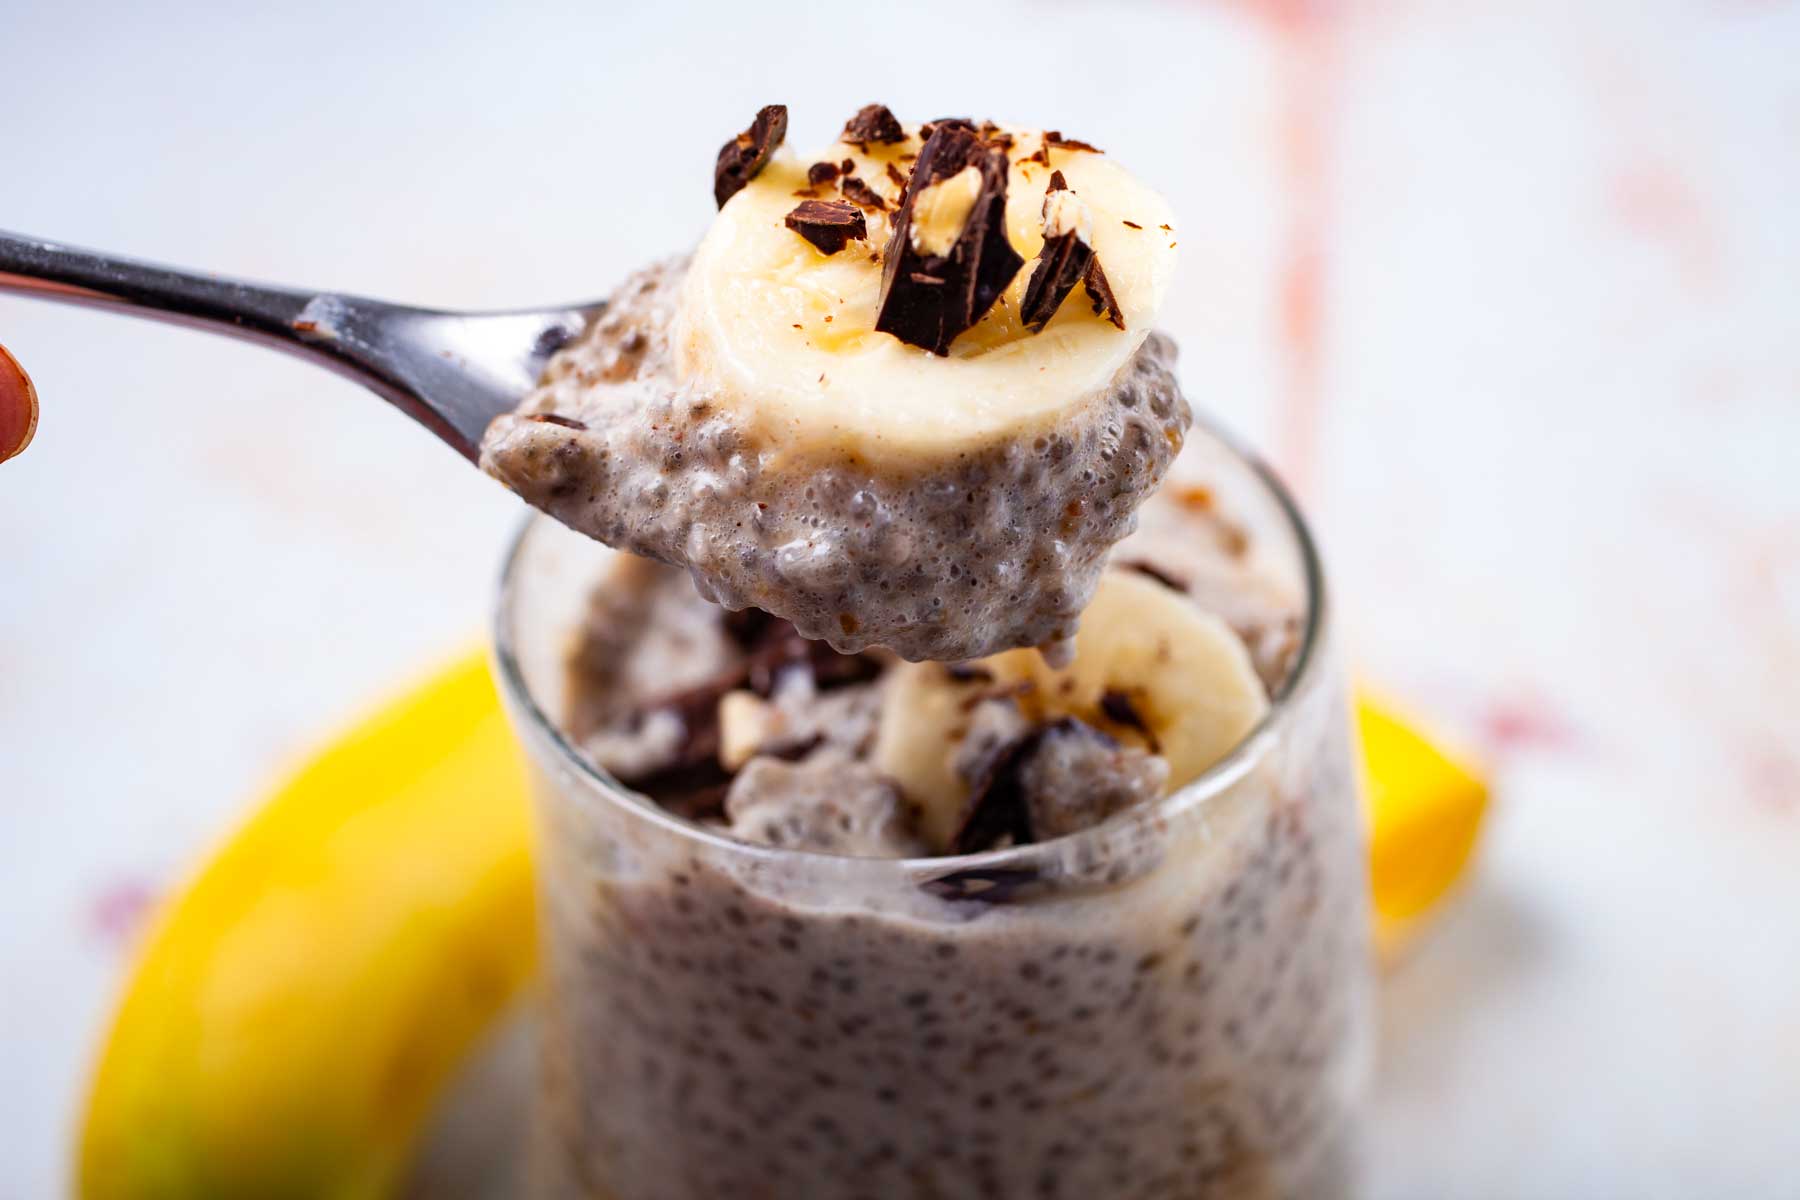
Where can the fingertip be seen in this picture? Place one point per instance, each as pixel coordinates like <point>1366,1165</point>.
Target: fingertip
<point>18,407</point>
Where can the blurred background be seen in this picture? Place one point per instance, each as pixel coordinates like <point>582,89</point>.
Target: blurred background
<point>1510,291</point>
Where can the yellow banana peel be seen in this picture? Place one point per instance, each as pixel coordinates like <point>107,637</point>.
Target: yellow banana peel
<point>1425,812</point>
<point>296,1010</point>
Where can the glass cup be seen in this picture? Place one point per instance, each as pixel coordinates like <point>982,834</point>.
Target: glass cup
<point>1173,1003</point>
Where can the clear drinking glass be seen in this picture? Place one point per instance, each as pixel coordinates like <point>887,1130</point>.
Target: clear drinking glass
<point>1174,1003</point>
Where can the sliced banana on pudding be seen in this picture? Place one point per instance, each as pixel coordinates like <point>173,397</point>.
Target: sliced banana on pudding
<point>1150,669</point>
<point>905,393</point>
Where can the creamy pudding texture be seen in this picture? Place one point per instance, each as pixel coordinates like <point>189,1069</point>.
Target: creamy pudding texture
<point>735,720</point>
<point>1160,1003</point>
<point>738,412</point>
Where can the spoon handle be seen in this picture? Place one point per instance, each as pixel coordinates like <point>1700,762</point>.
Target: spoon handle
<point>451,372</point>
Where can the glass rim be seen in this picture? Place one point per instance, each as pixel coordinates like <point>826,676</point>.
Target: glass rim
<point>1216,779</point>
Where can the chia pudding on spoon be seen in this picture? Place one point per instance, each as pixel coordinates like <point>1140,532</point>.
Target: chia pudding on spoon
<point>905,395</point>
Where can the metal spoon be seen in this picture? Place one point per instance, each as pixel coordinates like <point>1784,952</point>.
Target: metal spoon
<point>451,372</point>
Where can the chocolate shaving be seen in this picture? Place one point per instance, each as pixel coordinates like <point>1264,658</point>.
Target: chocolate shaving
<point>828,224</point>
<point>1156,573</point>
<point>1061,264</point>
<point>928,299</point>
<point>874,123</point>
<point>999,807</point>
<point>895,177</point>
<point>1101,293</point>
<point>862,194</point>
<point>693,784</point>
<point>1056,139</point>
<point>821,173</point>
<point>773,646</point>
<point>994,134</point>
<point>556,419</point>
<point>743,156</point>
<point>1121,711</point>
<point>1040,155</point>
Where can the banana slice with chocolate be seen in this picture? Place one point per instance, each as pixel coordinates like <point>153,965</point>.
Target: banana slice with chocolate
<point>1150,670</point>
<point>840,410</point>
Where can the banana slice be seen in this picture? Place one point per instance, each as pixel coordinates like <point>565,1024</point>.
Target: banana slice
<point>786,336</point>
<point>1150,668</point>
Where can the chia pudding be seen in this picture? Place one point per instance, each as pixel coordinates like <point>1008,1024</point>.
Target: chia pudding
<point>777,970</point>
<point>744,412</point>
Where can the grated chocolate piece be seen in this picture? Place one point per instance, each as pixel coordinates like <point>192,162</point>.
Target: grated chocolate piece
<point>829,225</point>
<point>1055,139</point>
<point>994,134</point>
<point>1061,264</point>
<point>927,300</point>
<point>744,156</point>
<point>773,646</point>
<point>821,173</point>
<point>998,809</point>
<point>874,123</point>
<point>931,127</point>
<point>1101,293</point>
<point>862,194</point>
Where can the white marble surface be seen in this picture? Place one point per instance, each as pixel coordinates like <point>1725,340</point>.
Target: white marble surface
<point>1511,290</point>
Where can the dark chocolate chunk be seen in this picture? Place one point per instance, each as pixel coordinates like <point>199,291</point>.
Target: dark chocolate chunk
<point>1056,139</point>
<point>873,123</point>
<point>861,193</point>
<point>773,646</point>
<point>1101,293</point>
<point>1061,264</point>
<point>821,173</point>
<point>692,784</point>
<point>744,155</point>
<point>828,224</point>
<point>895,177</point>
<point>931,127</point>
<point>998,808</point>
<point>1002,810</point>
<point>556,419</point>
<point>1157,573</point>
<point>929,299</point>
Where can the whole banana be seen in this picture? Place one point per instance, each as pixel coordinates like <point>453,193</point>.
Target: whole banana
<point>296,1012</point>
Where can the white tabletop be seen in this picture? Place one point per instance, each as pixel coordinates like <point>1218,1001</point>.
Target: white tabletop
<point>1511,290</point>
